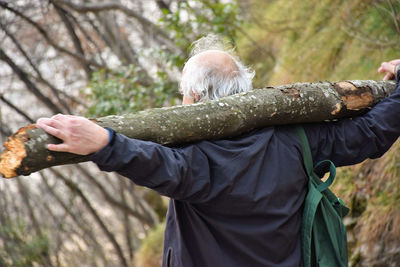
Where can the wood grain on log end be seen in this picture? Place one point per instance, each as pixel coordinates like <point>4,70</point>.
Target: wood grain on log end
<point>15,152</point>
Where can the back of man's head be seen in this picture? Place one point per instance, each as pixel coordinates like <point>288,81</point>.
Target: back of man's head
<point>213,72</point>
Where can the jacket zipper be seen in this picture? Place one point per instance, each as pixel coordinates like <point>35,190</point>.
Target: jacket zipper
<point>169,252</point>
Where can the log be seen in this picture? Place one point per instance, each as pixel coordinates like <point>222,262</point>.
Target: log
<point>25,151</point>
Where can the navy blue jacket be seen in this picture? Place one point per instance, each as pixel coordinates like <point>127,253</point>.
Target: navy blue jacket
<point>238,202</point>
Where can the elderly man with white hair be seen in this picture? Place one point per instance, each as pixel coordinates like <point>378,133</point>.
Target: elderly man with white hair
<point>239,201</point>
<point>212,73</point>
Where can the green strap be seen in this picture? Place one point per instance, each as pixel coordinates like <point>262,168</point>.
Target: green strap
<point>332,173</point>
<point>308,162</point>
<point>312,201</point>
<point>312,235</point>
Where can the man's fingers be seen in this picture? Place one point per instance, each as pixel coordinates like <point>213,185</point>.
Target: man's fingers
<point>51,122</point>
<point>394,62</point>
<point>59,117</point>
<point>388,76</point>
<point>387,67</point>
<point>52,131</point>
<point>42,121</point>
<point>59,148</point>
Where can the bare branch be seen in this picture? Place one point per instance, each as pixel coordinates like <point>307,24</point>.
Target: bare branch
<point>80,58</point>
<point>357,33</point>
<point>75,188</point>
<point>31,86</point>
<point>18,110</point>
<point>87,35</point>
<point>126,223</point>
<point>24,192</point>
<point>75,39</point>
<point>83,225</point>
<point>106,6</point>
<point>118,204</point>
<point>36,70</point>
<point>118,44</point>
<point>394,15</point>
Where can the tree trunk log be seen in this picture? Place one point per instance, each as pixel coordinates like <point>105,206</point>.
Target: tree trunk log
<point>294,103</point>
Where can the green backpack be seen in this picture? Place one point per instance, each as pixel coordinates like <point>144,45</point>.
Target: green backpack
<point>323,234</point>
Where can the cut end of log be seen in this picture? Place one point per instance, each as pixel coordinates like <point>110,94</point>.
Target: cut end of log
<point>11,158</point>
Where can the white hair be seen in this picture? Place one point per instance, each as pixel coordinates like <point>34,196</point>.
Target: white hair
<point>209,81</point>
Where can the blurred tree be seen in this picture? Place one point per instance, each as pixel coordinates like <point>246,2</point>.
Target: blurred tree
<point>129,53</point>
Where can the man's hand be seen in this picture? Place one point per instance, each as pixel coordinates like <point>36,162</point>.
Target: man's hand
<point>79,135</point>
<point>389,69</point>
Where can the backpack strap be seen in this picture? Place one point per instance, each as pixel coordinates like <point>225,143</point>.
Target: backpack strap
<point>305,147</point>
<point>332,173</point>
<point>312,200</point>
<point>318,194</point>
<point>308,162</point>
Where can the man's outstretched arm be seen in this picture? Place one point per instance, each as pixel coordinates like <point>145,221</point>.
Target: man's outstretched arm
<point>350,141</point>
<point>180,173</point>
<point>174,172</point>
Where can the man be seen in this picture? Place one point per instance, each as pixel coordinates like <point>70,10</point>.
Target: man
<point>235,202</point>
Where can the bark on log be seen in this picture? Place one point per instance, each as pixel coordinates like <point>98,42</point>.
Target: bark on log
<point>294,103</point>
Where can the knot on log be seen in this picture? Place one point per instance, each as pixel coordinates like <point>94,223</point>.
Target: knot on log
<point>293,92</point>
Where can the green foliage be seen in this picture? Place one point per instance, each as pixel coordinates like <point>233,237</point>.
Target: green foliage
<point>123,91</point>
<point>194,19</point>
<point>387,188</point>
<point>322,40</point>
<point>381,22</point>
<point>19,247</point>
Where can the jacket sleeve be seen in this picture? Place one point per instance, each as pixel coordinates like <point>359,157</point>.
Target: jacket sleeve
<point>179,173</point>
<point>351,141</point>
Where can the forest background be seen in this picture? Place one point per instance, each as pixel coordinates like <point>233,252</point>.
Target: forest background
<point>95,58</point>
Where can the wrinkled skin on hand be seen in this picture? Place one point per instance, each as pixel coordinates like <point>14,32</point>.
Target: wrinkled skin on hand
<point>79,135</point>
<point>389,69</point>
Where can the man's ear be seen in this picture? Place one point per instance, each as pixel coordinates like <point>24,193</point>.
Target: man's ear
<point>196,97</point>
